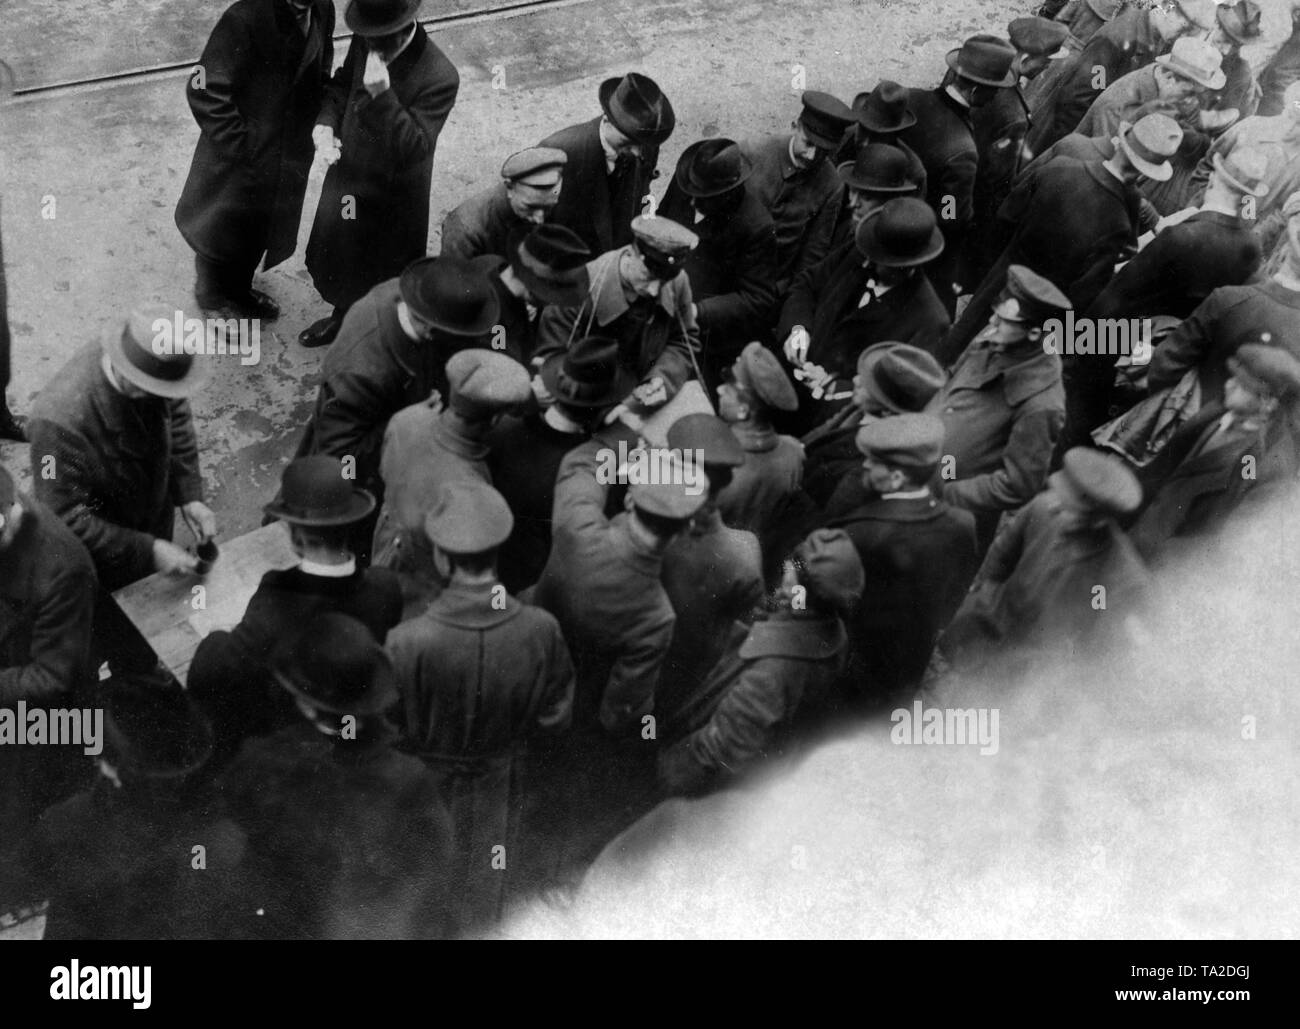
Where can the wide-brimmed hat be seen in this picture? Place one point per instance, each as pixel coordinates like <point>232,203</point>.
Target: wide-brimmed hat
<point>877,168</point>
<point>884,109</point>
<point>551,260</point>
<point>315,492</point>
<point>984,59</point>
<point>146,352</point>
<point>1244,171</point>
<point>154,731</point>
<point>903,233</point>
<point>899,377</point>
<point>452,294</point>
<point>1196,60</point>
<point>588,374</point>
<point>336,665</point>
<point>1099,481</point>
<point>712,167</point>
<point>638,108</point>
<point>379,17</point>
<point>1150,143</point>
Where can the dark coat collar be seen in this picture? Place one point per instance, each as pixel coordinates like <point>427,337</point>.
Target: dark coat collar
<point>918,509</point>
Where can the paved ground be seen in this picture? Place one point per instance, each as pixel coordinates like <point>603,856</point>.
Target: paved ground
<point>114,158</point>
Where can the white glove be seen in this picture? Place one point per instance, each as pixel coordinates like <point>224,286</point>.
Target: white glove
<point>796,345</point>
<point>328,148</point>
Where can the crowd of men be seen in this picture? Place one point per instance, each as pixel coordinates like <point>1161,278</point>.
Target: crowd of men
<point>501,644</point>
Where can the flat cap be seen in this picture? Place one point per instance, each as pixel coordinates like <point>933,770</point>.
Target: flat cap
<point>1102,482</point>
<point>900,378</point>
<point>1201,13</point>
<point>1264,367</point>
<point>1037,36</point>
<point>531,163</point>
<point>468,517</point>
<point>824,118</point>
<point>483,382</point>
<point>709,435</point>
<point>1029,298</point>
<point>680,492</point>
<point>758,370</point>
<point>913,441</point>
<point>830,569</point>
<point>663,242</point>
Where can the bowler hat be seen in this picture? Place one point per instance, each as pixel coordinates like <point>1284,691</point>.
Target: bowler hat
<point>154,731</point>
<point>830,569</point>
<point>587,374</point>
<point>912,441</point>
<point>638,108</point>
<point>903,233</point>
<point>337,665</point>
<point>984,59</point>
<point>884,109</point>
<point>824,118</point>
<point>1264,367</point>
<point>877,168</point>
<point>452,294</point>
<point>711,436</point>
<point>468,517</point>
<point>1196,60</point>
<point>1150,143</point>
<point>1240,21</point>
<point>1244,170</point>
<point>314,492</point>
<point>1099,481</point>
<point>379,17</point>
<point>712,167</point>
<point>145,353</point>
<point>898,377</point>
<point>758,370</point>
<point>551,260</point>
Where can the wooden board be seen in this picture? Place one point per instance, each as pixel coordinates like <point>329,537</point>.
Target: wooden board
<point>174,616</point>
<point>690,399</point>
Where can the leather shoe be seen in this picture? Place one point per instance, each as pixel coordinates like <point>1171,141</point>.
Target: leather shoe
<point>320,333</point>
<point>258,305</point>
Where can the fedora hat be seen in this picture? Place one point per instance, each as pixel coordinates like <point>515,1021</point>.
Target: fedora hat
<point>315,493</point>
<point>877,168</point>
<point>154,731</point>
<point>337,665</point>
<point>131,348</point>
<point>903,233</point>
<point>1150,143</point>
<point>712,167</point>
<point>899,377</point>
<point>1240,21</point>
<point>379,17</point>
<point>884,109</point>
<point>453,295</point>
<point>1197,60</point>
<point>551,261</point>
<point>984,59</point>
<point>638,108</point>
<point>588,374</point>
<point>1244,171</point>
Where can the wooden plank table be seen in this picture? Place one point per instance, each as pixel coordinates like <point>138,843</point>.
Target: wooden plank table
<point>168,610</point>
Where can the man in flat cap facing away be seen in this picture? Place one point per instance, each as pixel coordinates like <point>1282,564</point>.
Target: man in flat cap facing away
<point>1037,588</point>
<point>917,552</point>
<point>1004,405</point>
<point>430,444</point>
<point>392,353</point>
<point>531,181</point>
<point>768,688</point>
<point>525,451</point>
<point>348,837</point>
<point>871,291</point>
<point>611,161</point>
<point>377,132</point>
<point>264,73</point>
<point>793,178</point>
<point>712,573</point>
<point>1243,448</point>
<point>732,270</point>
<point>479,673</point>
<point>230,675</point>
<point>944,140</point>
<point>640,297</point>
<point>760,488</point>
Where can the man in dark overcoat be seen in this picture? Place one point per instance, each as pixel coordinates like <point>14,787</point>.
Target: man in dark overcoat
<point>530,187</point>
<point>379,125</point>
<point>255,94</point>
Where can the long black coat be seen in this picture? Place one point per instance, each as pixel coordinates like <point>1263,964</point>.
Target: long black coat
<point>388,144</point>
<point>598,206</point>
<point>262,89</point>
